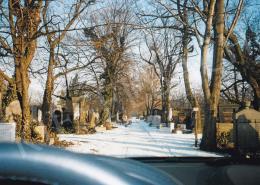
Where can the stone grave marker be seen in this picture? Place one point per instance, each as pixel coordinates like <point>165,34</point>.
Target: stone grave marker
<point>42,131</point>
<point>13,108</point>
<point>247,128</point>
<point>39,115</point>
<point>156,121</point>
<point>7,132</point>
<point>76,110</point>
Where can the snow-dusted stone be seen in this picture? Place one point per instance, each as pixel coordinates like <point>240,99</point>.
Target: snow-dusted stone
<point>7,132</point>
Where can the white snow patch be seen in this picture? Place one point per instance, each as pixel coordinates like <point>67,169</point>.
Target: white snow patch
<point>136,140</point>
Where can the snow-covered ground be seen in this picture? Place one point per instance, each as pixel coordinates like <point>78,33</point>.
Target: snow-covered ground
<point>136,140</point>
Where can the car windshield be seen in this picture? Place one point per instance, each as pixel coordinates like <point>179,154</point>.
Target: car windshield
<point>131,78</point>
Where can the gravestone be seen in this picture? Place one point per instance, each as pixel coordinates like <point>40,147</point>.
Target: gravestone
<point>34,112</point>
<point>156,121</point>
<point>172,127</point>
<point>124,118</point>
<point>247,129</point>
<point>39,117</point>
<point>117,117</point>
<point>13,108</point>
<point>76,110</point>
<point>56,120</point>
<point>42,131</point>
<point>149,119</point>
<point>94,119</point>
<point>170,114</point>
<point>84,110</point>
<point>7,132</point>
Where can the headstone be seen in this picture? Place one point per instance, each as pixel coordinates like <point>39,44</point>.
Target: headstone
<point>170,114</point>
<point>67,121</point>
<point>225,112</point>
<point>42,131</point>
<point>84,109</point>
<point>149,119</point>
<point>247,129</point>
<point>124,118</point>
<point>182,126</point>
<point>7,132</point>
<point>94,119</point>
<point>56,120</point>
<point>34,112</point>
<point>39,115</point>
<point>51,141</point>
<point>171,127</point>
<point>156,121</point>
<point>13,108</point>
<point>117,117</point>
<point>76,110</point>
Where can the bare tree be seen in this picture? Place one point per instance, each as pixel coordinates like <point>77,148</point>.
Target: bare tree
<point>54,39</point>
<point>234,88</point>
<point>187,33</point>
<point>111,41</point>
<point>180,13</point>
<point>19,39</point>
<point>246,60</point>
<point>213,10</point>
<point>164,55</point>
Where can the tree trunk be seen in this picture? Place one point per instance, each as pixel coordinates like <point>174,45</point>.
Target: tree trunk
<point>256,101</point>
<point>22,84</point>
<point>208,138</point>
<point>165,100</point>
<point>47,97</point>
<point>108,97</point>
<point>209,135</point>
<point>208,141</point>
<point>190,96</point>
<point>24,20</point>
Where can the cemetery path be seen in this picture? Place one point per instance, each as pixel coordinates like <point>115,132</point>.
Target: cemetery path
<point>136,140</point>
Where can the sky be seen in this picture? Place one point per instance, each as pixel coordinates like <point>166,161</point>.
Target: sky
<point>37,84</point>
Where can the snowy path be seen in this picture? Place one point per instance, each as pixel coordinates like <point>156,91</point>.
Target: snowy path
<point>135,141</point>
